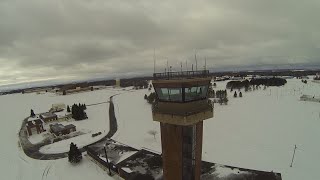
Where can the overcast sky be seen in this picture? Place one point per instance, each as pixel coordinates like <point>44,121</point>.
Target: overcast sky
<point>59,39</point>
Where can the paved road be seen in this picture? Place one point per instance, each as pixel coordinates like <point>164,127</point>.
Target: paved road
<point>32,150</point>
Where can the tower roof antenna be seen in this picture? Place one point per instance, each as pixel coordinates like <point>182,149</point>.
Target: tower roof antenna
<point>195,57</point>
<point>154,60</point>
<point>205,63</point>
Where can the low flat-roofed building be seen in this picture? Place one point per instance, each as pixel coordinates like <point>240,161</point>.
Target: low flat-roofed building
<point>59,129</point>
<point>48,117</point>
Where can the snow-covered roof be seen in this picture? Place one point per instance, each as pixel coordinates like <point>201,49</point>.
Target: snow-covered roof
<point>33,118</point>
<point>59,105</point>
<point>62,113</point>
<point>48,115</point>
<point>34,122</point>
<point>56,128</point>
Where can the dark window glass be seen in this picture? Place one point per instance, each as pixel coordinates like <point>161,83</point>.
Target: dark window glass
<point>169,94</point>
<point>195,93</point>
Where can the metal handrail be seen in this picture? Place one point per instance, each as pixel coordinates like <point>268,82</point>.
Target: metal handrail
<point>181,74</point>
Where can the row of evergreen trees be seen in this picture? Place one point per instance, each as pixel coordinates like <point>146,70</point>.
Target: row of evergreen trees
<point>83,106</point>
<point>217,94</point>
<point>78,111</point>
<point>256,82</point>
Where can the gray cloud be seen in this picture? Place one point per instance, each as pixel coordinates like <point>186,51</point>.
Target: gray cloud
<point>88,38</point>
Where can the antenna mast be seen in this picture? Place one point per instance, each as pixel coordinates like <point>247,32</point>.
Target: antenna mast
<point>154,60</point>
<point>205,63</point>
<point>195,57</point>
<point>187,65</point>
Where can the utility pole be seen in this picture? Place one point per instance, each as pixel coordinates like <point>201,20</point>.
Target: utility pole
<point>294,152</point>
<point>105,151</point>
<point>181,66</point>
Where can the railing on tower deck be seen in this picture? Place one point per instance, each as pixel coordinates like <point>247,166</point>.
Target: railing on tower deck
<point>181,74</point>
<point>209,106</point>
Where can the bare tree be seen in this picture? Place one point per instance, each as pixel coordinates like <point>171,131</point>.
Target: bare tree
<point>153,133</point>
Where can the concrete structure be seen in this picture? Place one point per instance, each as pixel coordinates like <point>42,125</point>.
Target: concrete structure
<point>182,104</point>
<point>145,164</point>
<point>59,129</point>
<point>34,126</point>
<point>48,117</point>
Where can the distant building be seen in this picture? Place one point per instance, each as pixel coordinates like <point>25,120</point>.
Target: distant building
<point>34,126</point>
<point>48,117</point>
<point>57,107</point>
<point>59,129</point>
<point>76,90</point>
<point>118,83</point>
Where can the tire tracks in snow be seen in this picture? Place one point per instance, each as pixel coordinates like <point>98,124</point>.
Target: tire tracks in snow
<point>46,171</point>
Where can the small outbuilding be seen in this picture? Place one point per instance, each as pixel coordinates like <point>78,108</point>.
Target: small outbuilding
<point>48,117</point>
<point>57,107</point>
<point>34,126</point>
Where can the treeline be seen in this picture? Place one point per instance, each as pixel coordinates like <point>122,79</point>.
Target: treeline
<point>137,83</point>
<point>256,82</point>
<point>219,95</point>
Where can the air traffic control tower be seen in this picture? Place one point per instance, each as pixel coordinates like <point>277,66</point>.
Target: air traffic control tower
<point>182,105</point>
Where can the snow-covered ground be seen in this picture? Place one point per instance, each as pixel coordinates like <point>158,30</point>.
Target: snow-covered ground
<point>98,121</point>
<point>258,131</point>
<point>134,118</point>
<point>14,164</point>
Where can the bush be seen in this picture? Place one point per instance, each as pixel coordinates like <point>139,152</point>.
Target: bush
<point>151,98</point>
<point>74,155</point>
<point>235,94</point>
